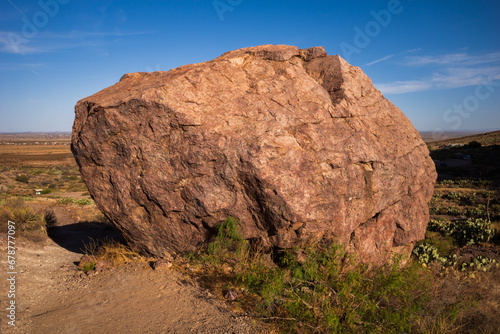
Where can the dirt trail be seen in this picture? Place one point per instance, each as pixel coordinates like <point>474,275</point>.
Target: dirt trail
<point>130,299</point>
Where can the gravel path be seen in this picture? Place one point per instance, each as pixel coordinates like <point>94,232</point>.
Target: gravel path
<point>134,298</point>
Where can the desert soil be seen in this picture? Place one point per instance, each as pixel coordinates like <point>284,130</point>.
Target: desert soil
<point>51,296</point>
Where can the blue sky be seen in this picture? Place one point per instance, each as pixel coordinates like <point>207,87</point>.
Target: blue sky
<point>437,60</point>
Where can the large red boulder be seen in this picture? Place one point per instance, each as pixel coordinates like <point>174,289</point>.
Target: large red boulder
<point>297,144</point>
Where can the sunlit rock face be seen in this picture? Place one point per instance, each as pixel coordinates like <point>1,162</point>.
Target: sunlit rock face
<point>297,144</point>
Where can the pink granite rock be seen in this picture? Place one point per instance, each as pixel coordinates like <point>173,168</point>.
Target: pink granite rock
<point>297,144</point>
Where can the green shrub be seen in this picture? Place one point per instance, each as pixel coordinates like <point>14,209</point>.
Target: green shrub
<point>25,218</point>
<point>437,236</point>
<point>67,200</point>
<point>84,201</point>
<point>320,289</point>
<point>22,178</point>
<point>228,239</point>
<point>46,191</point>
<point>55,171</point>
<point>88,266</point>
<point>474,144</point>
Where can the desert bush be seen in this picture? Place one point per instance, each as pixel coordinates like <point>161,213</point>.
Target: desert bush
<point>55,171</point>
<point>46,191</point>
<point>88,266</point>
<point>25,218</point>
<point>110,250</point>
<point>227,234</point>
<point>50,218</point>
<point>228,243</point>
<point>22,178</point>
<point>319,289</point>
<point>84,201</point>
<point>474,144</point>
<point>321,293</point>
<point>67,200</point>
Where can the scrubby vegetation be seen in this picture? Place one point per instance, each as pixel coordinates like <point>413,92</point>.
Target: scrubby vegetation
<point>26,219</point>
<point>109,250</point>
<point>22,178</point>
<point>321,290</point>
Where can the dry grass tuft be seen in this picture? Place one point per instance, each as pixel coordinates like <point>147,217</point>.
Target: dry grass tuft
<point>25,218</point>
<point>111,250</point>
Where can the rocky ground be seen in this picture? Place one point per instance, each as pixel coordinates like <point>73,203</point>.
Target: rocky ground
<point>53,297</point>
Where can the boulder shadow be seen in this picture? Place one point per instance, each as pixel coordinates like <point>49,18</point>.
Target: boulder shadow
<point>76,237</point>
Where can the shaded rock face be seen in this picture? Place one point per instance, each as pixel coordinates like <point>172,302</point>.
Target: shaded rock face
<point>297,144</point>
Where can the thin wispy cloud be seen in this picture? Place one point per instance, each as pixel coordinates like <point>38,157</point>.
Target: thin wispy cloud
<point>400,87</point>
<point>13,5</point>
<point>379,60</point>
<point>14,42</point>
<point>447,71</point>
<point>20,66</point>
<point>462,59</point>
<point>463,77</point>
<point>414,50</point>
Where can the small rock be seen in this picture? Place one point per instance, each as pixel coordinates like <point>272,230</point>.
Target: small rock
<point>231,295</point>
<point>90,272</point>
<point>162,265</point>
<point>103,265</point>
<point>79,275</point>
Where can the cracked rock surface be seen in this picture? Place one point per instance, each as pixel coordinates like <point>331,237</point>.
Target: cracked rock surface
<point>297,144</point>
